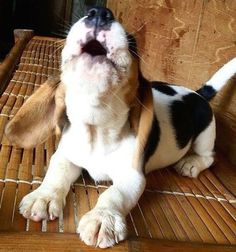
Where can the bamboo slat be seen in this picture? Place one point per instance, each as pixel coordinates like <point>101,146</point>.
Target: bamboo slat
<point>172,207</point>
<point>21,241</point>
<point>11,60</point>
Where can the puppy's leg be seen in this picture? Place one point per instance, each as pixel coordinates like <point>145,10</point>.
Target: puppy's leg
<point>48,200</point>
<point>203,157</point>
<point>105,225</point>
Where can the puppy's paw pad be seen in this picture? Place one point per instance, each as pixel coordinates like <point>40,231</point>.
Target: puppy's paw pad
<point>192,165</point>
<point>102,228</point>
<point>189,166</point>
<point>41,204</point>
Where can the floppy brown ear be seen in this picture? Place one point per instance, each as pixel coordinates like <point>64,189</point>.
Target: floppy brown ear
<point>40,115</point>
<point>141,120</point>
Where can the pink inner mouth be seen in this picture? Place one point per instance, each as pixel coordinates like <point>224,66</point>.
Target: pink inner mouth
<point>94,48</point>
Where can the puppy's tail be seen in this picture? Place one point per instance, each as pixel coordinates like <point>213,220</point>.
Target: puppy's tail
<point>218,80</point>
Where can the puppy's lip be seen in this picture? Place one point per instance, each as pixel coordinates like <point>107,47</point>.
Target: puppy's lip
<point>94,48</point>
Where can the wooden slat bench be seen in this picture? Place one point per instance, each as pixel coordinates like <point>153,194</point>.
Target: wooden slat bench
<point>174,213</point>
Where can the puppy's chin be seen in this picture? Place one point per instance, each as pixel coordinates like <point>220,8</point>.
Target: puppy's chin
<point>112,68</point>
<point>116,59</point>
<point>89,62</point>
<point>90,73</point>
<point>88,65</point>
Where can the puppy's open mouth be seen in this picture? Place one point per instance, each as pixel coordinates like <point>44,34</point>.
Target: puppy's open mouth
<point>94,48</point>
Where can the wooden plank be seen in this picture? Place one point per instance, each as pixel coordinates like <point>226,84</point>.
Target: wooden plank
<point>192,213</point>
<point>11,60</point>
<point>178,209</point>
<point>69,214</point>
<point>22,241</point>
<point>225,173</point>
<point>7,206</point>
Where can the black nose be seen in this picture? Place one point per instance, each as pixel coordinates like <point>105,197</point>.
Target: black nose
<point>99,17</point>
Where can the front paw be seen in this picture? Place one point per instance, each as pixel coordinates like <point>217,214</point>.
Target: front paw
<point>102,227</point>
<point>42,204</point>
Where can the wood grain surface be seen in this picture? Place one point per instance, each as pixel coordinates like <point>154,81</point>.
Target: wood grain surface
<point>196,212</point>
<point>185,42</point>
<point>22,241</point>
<point>9,64</point>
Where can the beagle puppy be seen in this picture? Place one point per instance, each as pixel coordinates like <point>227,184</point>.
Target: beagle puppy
<point>115,124</point>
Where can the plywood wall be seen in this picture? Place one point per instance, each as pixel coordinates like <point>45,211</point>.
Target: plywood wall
<point>185,42</point>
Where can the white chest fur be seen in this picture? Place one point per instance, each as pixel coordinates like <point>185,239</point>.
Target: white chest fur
<point>97,104</point>
<point>102,160</point>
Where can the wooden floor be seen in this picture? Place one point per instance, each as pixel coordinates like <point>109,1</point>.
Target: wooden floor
<point>18,241</point>
<point>172,208</point>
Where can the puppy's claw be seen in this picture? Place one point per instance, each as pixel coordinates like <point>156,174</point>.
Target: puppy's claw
<point>102,228</point>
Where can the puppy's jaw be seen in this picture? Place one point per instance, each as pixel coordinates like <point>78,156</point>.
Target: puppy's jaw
<point>113,40</point>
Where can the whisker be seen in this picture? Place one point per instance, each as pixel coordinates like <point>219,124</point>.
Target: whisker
<point>64,23</point>
<point>59,48</point>
<point>63,20</point>
<point>56,49</point>
<point>57,43</point>
<point>115,94</point>
<point>113,110</point>
<point>64,29</point>
<point>61,33</point>
<point>138,56</point>
<point>134,49</point>
<point>140,28</point>
<point>140,49</point>
<point>147,109</point>
<point>117,97</point>
<point>74,15</point>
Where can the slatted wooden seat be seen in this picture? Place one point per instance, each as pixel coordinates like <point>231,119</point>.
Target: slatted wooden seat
<point>172,208</point>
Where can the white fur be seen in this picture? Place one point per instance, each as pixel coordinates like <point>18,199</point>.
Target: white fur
<point>48,200</point>
<point>110,156</point>
<point>219,79</point>
<point>203,146</point>
<point>203,157</point>
<point>72,49</point>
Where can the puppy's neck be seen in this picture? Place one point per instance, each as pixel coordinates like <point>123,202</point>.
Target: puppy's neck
<point>107,138</point>
<point>101,116</point>
<point>98,99</point>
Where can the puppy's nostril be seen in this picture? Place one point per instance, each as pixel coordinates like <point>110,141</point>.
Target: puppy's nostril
<point>99,17</point>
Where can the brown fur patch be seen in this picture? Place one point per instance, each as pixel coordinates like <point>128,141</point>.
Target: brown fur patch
<point>92,134</point>
<point>39,116</point>
<point>132,86</point>
<point>141,117</point>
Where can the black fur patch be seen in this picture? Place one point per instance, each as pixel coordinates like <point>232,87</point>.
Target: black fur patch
<point>208,92</point>
<point>153,140</point>
<point>154,134</point>
<point>163,88</point>
<point>190,117</point>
